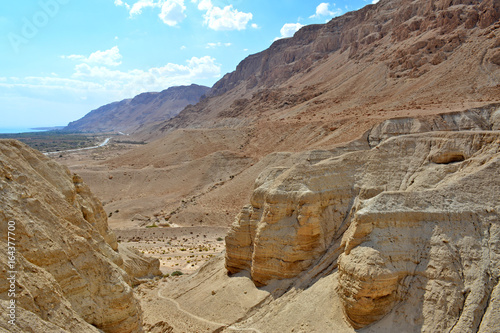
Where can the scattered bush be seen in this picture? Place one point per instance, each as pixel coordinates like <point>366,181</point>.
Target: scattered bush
<point>177,273</point>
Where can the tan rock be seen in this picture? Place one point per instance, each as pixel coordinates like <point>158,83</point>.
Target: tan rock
<point>422,237</point>
<point>137,265</point>
<point>68,270</point>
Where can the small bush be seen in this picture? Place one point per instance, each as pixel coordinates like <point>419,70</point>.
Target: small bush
<point>177,273</point>
<point>220,239</point>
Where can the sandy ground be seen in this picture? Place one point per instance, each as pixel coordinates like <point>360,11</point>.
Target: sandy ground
<point>183,249</point>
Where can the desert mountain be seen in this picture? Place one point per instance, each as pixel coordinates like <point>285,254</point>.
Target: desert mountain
<point>128,115</point>
<point>70,273</point>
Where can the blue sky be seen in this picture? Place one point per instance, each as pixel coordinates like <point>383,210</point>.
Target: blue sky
<point>61,59</point>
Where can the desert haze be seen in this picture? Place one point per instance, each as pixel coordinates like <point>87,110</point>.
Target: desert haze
<point>342,180</point>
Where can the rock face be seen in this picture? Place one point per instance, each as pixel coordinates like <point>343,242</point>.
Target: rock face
<point>127,115</point>
<point>411,225</point>
<point>69,271</point>
<point>357,32</point>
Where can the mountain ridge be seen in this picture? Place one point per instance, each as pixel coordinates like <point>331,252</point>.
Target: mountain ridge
<point>396,54</point>
<point>129,114</point>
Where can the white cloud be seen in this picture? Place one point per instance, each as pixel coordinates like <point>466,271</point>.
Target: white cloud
<point>255,26</point>
<point>99,85</point>
<point>204,4</point>
<point>183,47</point>
<point>214,45</point>
<point>226,18</point>
<point>121,3</point>
<point>137,7</point>
<point>375,1</point>
<point>324,10</point>
<point>73,57</point>
<point>111,57</point>
<point>289,29</point>
<point>172,12</point>
<point>136,81</point>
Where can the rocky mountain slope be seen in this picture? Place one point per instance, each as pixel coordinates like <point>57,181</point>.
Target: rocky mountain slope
<point>70,276</point>
<point>412,55</point>
<point>128,115</point>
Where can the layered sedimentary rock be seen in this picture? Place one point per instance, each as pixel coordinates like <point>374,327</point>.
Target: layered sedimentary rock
<point>69,273</point>
<point>138,266</point>
<point>413,226</point>
<point>485,118</point>
<point>292,219</point>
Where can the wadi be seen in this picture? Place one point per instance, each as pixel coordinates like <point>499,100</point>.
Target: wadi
<point>345,179</point>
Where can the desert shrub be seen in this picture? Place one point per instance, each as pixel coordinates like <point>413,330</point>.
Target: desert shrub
<point>177,273</point>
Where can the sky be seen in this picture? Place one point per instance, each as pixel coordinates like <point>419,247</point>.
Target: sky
<point>60,59</point>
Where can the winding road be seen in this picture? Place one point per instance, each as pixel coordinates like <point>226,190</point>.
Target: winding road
<point>102,144</point>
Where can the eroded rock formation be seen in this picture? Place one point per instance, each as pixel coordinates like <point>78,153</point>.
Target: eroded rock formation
<point>69,273</point>
<point>412,225</point>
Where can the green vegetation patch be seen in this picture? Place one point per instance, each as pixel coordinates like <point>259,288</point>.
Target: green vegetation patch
<point>55,140</point>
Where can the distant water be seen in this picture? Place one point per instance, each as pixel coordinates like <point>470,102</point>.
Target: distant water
<point>15,130</point>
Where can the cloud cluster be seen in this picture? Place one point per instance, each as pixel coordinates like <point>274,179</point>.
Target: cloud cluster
<point>218,44</point>
<point>97,79</point>
<point>323,10</point>
<point>227,18</point>
<point>289,29</point>
<point>111,57</point>
<point>171,11</point>
<point>95,69</point>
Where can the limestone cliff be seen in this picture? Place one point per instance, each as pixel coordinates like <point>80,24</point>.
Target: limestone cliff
<point>69,275</point>
<point>411,226</point>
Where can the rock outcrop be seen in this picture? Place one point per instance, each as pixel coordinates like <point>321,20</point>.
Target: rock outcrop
<point>137,266</point>
<point>69,273</point>
<point>485,118</point>
<point>411,225</point>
